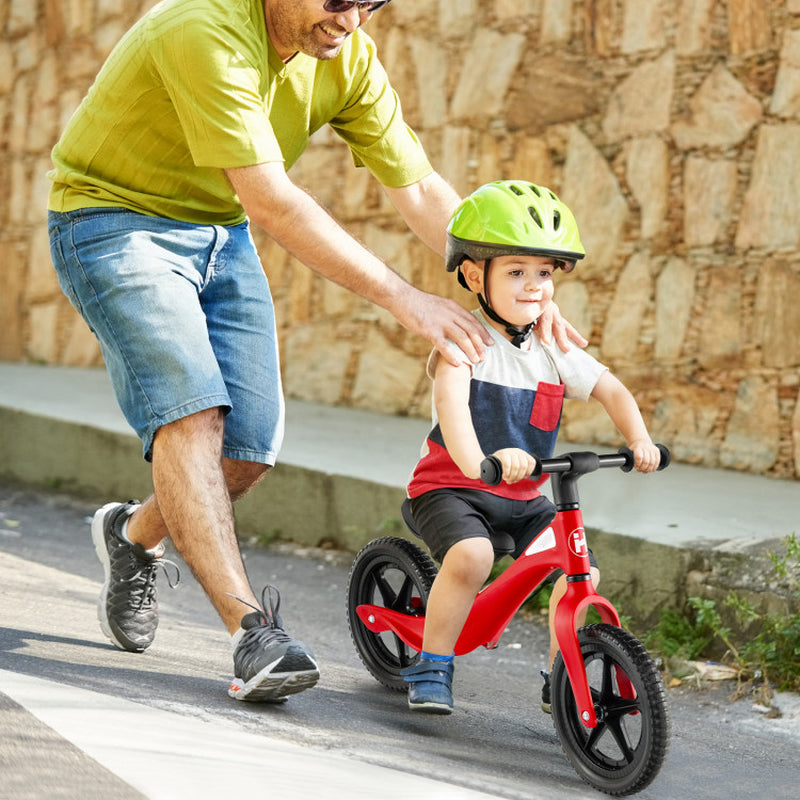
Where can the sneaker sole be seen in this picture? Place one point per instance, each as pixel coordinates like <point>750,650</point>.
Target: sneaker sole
<point>274,687</point>
<point>431,708</point>
<point>100,548</point>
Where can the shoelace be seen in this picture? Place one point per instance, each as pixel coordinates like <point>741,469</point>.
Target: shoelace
<point>145,591</point>
<point>269,607</point>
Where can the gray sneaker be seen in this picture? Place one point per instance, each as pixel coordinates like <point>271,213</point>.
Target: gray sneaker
<point>268,664</point>
<point>128,605</point>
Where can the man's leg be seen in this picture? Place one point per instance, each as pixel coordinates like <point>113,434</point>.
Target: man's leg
<point>192,504</point>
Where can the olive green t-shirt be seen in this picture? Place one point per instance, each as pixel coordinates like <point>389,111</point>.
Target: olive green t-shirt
<point>195,87</point>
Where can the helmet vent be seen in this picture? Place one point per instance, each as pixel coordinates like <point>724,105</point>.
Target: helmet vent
<point>535,189</point>
<point>517,191</point>
<point>535,216</point>
<point>556,219</point>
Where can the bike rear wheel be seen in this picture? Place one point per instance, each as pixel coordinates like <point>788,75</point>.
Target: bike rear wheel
<point>396,574</point>
<point>626,749</point>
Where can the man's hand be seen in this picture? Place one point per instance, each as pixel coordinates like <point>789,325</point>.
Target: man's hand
<point>551,323</point>
<point>441,321</point>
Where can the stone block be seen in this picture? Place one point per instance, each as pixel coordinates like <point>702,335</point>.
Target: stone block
<point>456,17</point>
<point>21,16</point>
<point>631,301</point>
<point>770,214</point>
<point>556,22</point>
<point>693,35</point>
<point>311,371</point>
<point>641,102</point>
<point>386,380</point>
<point>786,97</point>
<point>675,295</point>
<point>721,319</point>
<point>593,194</point>
<point>721,114</point>
<point>777,321</point>
<point>430,62</point>
<point>686,420</point>
<point>42,342</point>
<point>647,173</point>
<point>710,190</point>
<point>642,26</point>
<point>486,74</point>
<point>749,26</point>
<point>549,90</point>
<point>752,435</point>
<point>12,345</point>
<point>574,302</point>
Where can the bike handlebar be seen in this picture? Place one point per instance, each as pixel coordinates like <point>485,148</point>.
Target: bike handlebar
<point>579,463</point>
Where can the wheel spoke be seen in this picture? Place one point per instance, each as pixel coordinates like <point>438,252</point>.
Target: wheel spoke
<point>388,596</point>
<point>405,594</point>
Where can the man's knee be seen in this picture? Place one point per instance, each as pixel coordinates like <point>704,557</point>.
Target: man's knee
<point>241,476</point>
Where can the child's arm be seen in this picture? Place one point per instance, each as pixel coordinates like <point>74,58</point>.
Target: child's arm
<point>624,412</point>
<point>451,397</point>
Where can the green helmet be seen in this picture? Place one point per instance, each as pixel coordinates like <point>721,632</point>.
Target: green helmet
<point>516,217</point>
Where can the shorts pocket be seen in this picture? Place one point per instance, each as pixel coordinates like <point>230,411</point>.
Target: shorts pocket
<point>547,405</point>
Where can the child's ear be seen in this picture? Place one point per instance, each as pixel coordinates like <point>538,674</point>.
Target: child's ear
<point>473,275</point>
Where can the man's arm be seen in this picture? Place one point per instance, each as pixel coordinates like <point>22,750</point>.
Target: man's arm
<point>426,206</point>
<point>298,223</point>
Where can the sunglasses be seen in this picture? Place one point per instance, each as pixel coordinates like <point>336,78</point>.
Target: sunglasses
<point>340,6</point>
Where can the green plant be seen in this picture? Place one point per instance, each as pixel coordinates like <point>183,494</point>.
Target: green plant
<point>770,655</point>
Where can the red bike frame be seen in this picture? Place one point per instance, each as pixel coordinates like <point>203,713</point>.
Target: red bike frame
<point>562,545</point>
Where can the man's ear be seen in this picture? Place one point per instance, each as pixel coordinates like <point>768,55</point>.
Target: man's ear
<point>473,274</point>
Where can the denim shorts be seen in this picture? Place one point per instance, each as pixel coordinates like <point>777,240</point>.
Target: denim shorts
<point>185,321</point>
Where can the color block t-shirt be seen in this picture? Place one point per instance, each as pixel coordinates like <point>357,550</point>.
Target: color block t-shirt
<point>196,87</point>
<point>516,398</point>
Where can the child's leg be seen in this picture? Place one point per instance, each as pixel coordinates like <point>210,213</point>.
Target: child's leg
<point>464,570</point>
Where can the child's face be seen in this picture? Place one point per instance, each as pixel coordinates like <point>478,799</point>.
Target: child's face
<point>520,287</point>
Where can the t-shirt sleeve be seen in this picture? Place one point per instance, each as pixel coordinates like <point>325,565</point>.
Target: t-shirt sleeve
<point>373,127</point>
<point>579,372</point>
<point>214,87</point>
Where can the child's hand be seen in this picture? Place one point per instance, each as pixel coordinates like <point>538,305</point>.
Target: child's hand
<point>516,463</point>
<point>646,456</point>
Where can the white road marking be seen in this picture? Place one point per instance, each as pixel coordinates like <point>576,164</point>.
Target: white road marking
<point>167,756</point>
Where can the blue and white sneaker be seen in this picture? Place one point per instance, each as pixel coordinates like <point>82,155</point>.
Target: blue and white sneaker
<point>430,686</point>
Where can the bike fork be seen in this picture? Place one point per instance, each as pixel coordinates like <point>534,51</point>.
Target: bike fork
<point>581,594</point>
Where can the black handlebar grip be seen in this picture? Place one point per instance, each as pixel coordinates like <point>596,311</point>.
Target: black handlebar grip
<point>491,470</point>
<point>665,458</point>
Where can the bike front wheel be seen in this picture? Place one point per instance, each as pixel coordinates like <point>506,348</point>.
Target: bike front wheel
<point>393,573</point>
<point>626,749</point>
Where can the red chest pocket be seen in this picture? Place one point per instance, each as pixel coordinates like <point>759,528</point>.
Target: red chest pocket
<point>547,405</point>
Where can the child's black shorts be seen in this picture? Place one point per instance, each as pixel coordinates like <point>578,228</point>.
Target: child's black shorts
<point>446,516</point>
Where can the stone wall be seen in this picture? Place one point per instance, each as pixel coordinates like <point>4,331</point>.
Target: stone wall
<point>671,127</point>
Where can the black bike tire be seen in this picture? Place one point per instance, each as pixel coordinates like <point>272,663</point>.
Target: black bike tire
<point>580,744</point>
<point>370,564</point>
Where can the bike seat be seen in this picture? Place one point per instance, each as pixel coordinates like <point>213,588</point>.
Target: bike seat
<point>503,543</point>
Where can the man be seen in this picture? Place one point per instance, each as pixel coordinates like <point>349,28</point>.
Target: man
<point>185,137</point>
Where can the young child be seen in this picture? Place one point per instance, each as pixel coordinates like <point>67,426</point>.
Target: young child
<point>506,240</point>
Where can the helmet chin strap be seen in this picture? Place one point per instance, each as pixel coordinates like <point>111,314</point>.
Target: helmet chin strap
<point>518,335</point>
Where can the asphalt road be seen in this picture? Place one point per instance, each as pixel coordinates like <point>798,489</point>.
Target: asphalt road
<point>81,719</point>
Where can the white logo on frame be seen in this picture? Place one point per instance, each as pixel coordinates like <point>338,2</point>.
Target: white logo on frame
<point>577,542</point>
<point>546,540</point>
